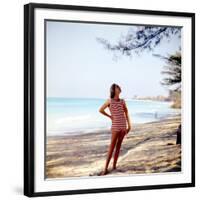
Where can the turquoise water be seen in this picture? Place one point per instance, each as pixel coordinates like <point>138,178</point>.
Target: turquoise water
<point>73,115</point>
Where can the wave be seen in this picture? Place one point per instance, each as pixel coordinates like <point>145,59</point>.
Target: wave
<point>72,119</point>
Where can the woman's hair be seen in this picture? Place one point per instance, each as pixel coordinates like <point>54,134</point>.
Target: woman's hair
<point>112,89</point>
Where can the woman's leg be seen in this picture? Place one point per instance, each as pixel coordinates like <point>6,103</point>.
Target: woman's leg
<point>110,150</point>
<point>118,146</point>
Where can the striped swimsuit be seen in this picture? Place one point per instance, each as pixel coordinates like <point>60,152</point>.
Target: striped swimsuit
<point>117,112</point>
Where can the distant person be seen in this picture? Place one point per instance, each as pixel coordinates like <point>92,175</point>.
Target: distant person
<point>120,119</point>
<point>156,114</point>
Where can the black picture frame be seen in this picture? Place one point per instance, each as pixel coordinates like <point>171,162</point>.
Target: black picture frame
<point>29,104</point>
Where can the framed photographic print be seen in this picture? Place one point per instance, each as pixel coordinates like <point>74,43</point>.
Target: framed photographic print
<point>109,99</point>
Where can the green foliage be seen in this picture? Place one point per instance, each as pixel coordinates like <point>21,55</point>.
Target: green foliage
<point>172,70</point>
<point>140,38</point>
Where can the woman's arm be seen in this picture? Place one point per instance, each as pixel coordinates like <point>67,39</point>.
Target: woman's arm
<point>127,117</point>
<point>103,107</point>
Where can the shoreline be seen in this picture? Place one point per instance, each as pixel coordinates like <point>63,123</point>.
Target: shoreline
<point>100,130</point>
<point>148,148</point>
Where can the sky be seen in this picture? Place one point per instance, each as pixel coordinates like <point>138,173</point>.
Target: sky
<point>78,66</point>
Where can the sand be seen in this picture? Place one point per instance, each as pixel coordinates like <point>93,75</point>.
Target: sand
<point>148,148</point>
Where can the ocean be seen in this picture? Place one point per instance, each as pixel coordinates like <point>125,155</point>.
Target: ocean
<point>81,115</point>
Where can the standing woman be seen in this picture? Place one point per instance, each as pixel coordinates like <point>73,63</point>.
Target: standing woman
<point>120,119</point>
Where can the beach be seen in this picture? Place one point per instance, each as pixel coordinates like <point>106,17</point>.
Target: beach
<point>148,148</point>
